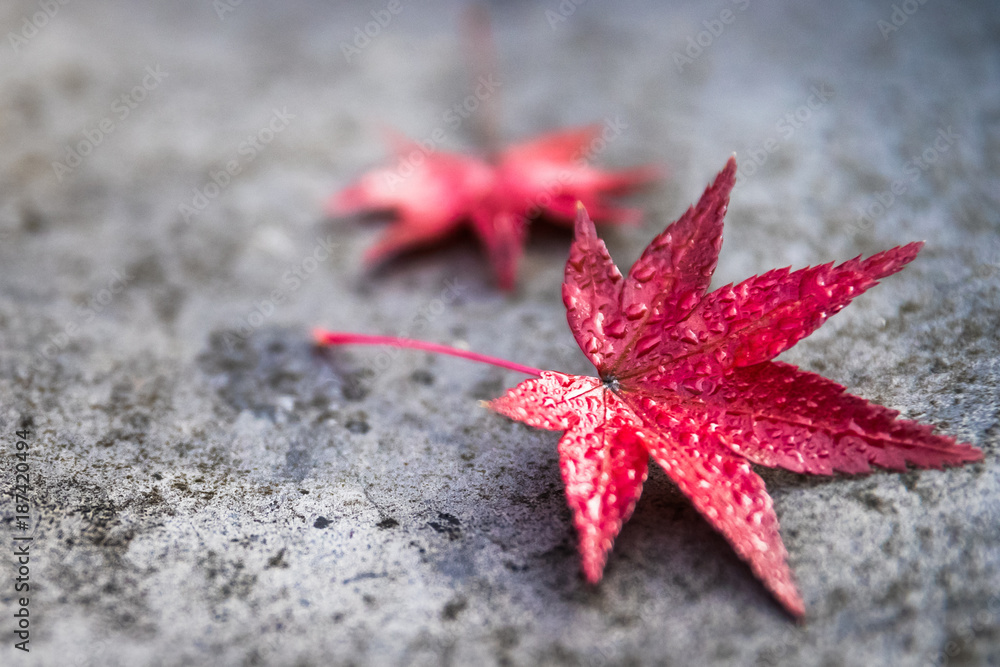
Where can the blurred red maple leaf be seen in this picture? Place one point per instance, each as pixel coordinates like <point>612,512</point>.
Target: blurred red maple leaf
<point>433,193</point>
<point>686,378</point>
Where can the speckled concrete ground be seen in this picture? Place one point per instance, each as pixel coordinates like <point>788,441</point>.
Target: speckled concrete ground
<point>209,489</point>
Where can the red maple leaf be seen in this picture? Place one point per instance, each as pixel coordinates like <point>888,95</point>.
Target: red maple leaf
<point>433,193</point>
<point>686,378</point>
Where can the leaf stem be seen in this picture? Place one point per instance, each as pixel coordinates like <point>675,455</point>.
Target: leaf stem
<point>324,337</point>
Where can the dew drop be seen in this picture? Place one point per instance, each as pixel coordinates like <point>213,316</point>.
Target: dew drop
<point>644,274</point>
<point>647,344</point>
<point>636,311</point>
<point>690,301</point>
<point>616,329</point>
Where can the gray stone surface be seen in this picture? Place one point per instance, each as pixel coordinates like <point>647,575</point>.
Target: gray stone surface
<point>208,489</point>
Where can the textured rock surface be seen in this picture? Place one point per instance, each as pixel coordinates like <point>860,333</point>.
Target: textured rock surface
<point>208,489</point>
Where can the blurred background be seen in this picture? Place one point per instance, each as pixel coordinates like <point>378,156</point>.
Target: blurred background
<point>209,489</point>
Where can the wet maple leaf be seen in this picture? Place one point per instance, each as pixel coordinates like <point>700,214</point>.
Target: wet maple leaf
<point>433,193</point>
<point>686,379</point>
